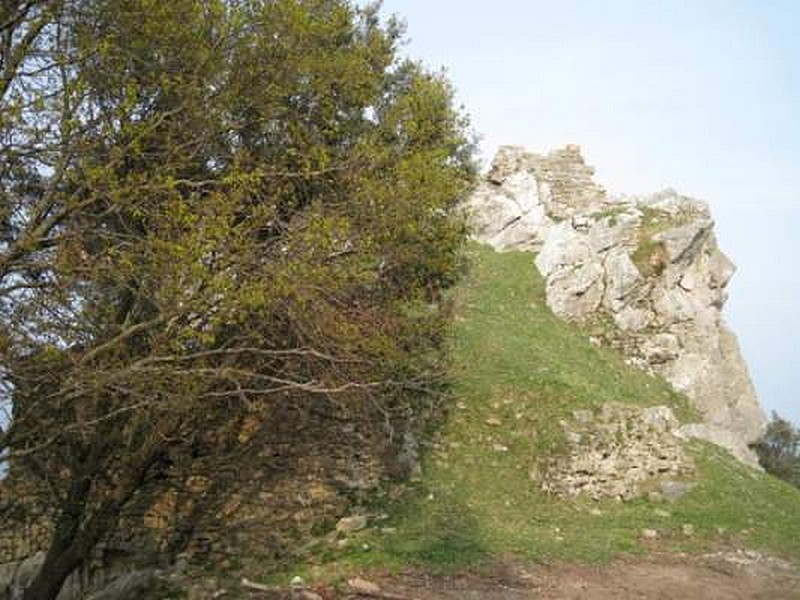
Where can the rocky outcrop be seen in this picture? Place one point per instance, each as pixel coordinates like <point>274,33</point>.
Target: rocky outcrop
<point>645,272</point>
<point>614,453</point>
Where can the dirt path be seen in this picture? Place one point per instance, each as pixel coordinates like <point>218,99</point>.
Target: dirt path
<point>734,575</point>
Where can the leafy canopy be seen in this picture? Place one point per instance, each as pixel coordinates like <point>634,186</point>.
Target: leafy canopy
<point>208,204</point>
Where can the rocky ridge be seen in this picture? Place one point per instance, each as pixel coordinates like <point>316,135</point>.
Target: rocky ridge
<point>644,274</point>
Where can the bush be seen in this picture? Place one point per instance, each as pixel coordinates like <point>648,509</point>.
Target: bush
<point>779,450</point>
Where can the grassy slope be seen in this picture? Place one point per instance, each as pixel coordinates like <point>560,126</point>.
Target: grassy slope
<point>517,363</point>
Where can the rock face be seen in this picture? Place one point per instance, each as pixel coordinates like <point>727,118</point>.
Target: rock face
<point>646,270</point>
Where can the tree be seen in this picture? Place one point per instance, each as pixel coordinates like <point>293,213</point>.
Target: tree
<point>779,450</point>
<point>208,205</point>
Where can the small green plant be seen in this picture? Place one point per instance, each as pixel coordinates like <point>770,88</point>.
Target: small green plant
<point>654,219</point>
<point>650,257</point>
<point>779,450</point>
<point>611,213</point>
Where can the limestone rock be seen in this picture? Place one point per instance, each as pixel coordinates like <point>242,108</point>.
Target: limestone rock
<point>661,348</point>
<point>649,534</point>
<point>720,436</point>
<point>612,454</point>
<point>524,192</point>
<point>16,576</point>
<point>351,524</point>
<point>650,265</point>
<point>576,294</point>
<point>618,230</point>
<point>674,204</point>
<point>720,269</point>
<point>630,319</point>
<point>132,586</point>
<point>622,277</point>
<point>682,242</point>
<point>363,586</point>
<point>564,249</point>
<point>508,218</point>
<point>100,585</point>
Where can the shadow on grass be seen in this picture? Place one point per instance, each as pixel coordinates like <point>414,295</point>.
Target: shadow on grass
<point>437,535</point>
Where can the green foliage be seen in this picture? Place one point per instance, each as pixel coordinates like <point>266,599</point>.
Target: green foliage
<point>221,204</point>
<point>649,257</point>
<point>611,213</point>
<point>779,450</point>
<point>655,220</point>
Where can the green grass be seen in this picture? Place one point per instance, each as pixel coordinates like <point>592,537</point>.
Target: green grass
<point>649,256</point>
<point>517,364</point>
<point>611,213</point>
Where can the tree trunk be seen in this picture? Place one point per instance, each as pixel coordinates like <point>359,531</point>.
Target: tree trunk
<point>57,567</point>
<point>64,555</point>
<point>76,535</point>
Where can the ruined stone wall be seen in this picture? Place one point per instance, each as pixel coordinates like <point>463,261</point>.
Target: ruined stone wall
<point>645,273</point>
<point>616,452</point>
<point>253,496</point>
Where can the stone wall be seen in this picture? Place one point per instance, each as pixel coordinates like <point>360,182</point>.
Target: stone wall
<point>258,491</point>
<point>645,273</point>
<point>617,452</point>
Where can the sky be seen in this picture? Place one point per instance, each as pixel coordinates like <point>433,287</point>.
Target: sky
<point>702,96</point>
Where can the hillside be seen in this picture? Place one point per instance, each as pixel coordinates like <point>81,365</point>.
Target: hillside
<point>558,455</point>
<point>518,373</point>
<point>475,522</point>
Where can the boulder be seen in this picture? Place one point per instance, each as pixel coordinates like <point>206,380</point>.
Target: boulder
<point>575,294</point>
<point>681,243</point>
<point>622,277</point>
<point>351,524</point>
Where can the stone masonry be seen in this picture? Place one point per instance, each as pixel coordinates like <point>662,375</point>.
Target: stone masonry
<point>616,452</point>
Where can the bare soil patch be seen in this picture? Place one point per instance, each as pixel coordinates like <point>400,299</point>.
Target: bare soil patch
<point>729,575</point>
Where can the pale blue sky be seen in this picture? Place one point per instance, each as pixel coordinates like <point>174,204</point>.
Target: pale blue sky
<point>701,96</point>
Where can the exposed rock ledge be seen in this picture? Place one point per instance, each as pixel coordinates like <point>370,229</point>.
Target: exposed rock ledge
<point>617,451</point>
<point>646,268</point>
